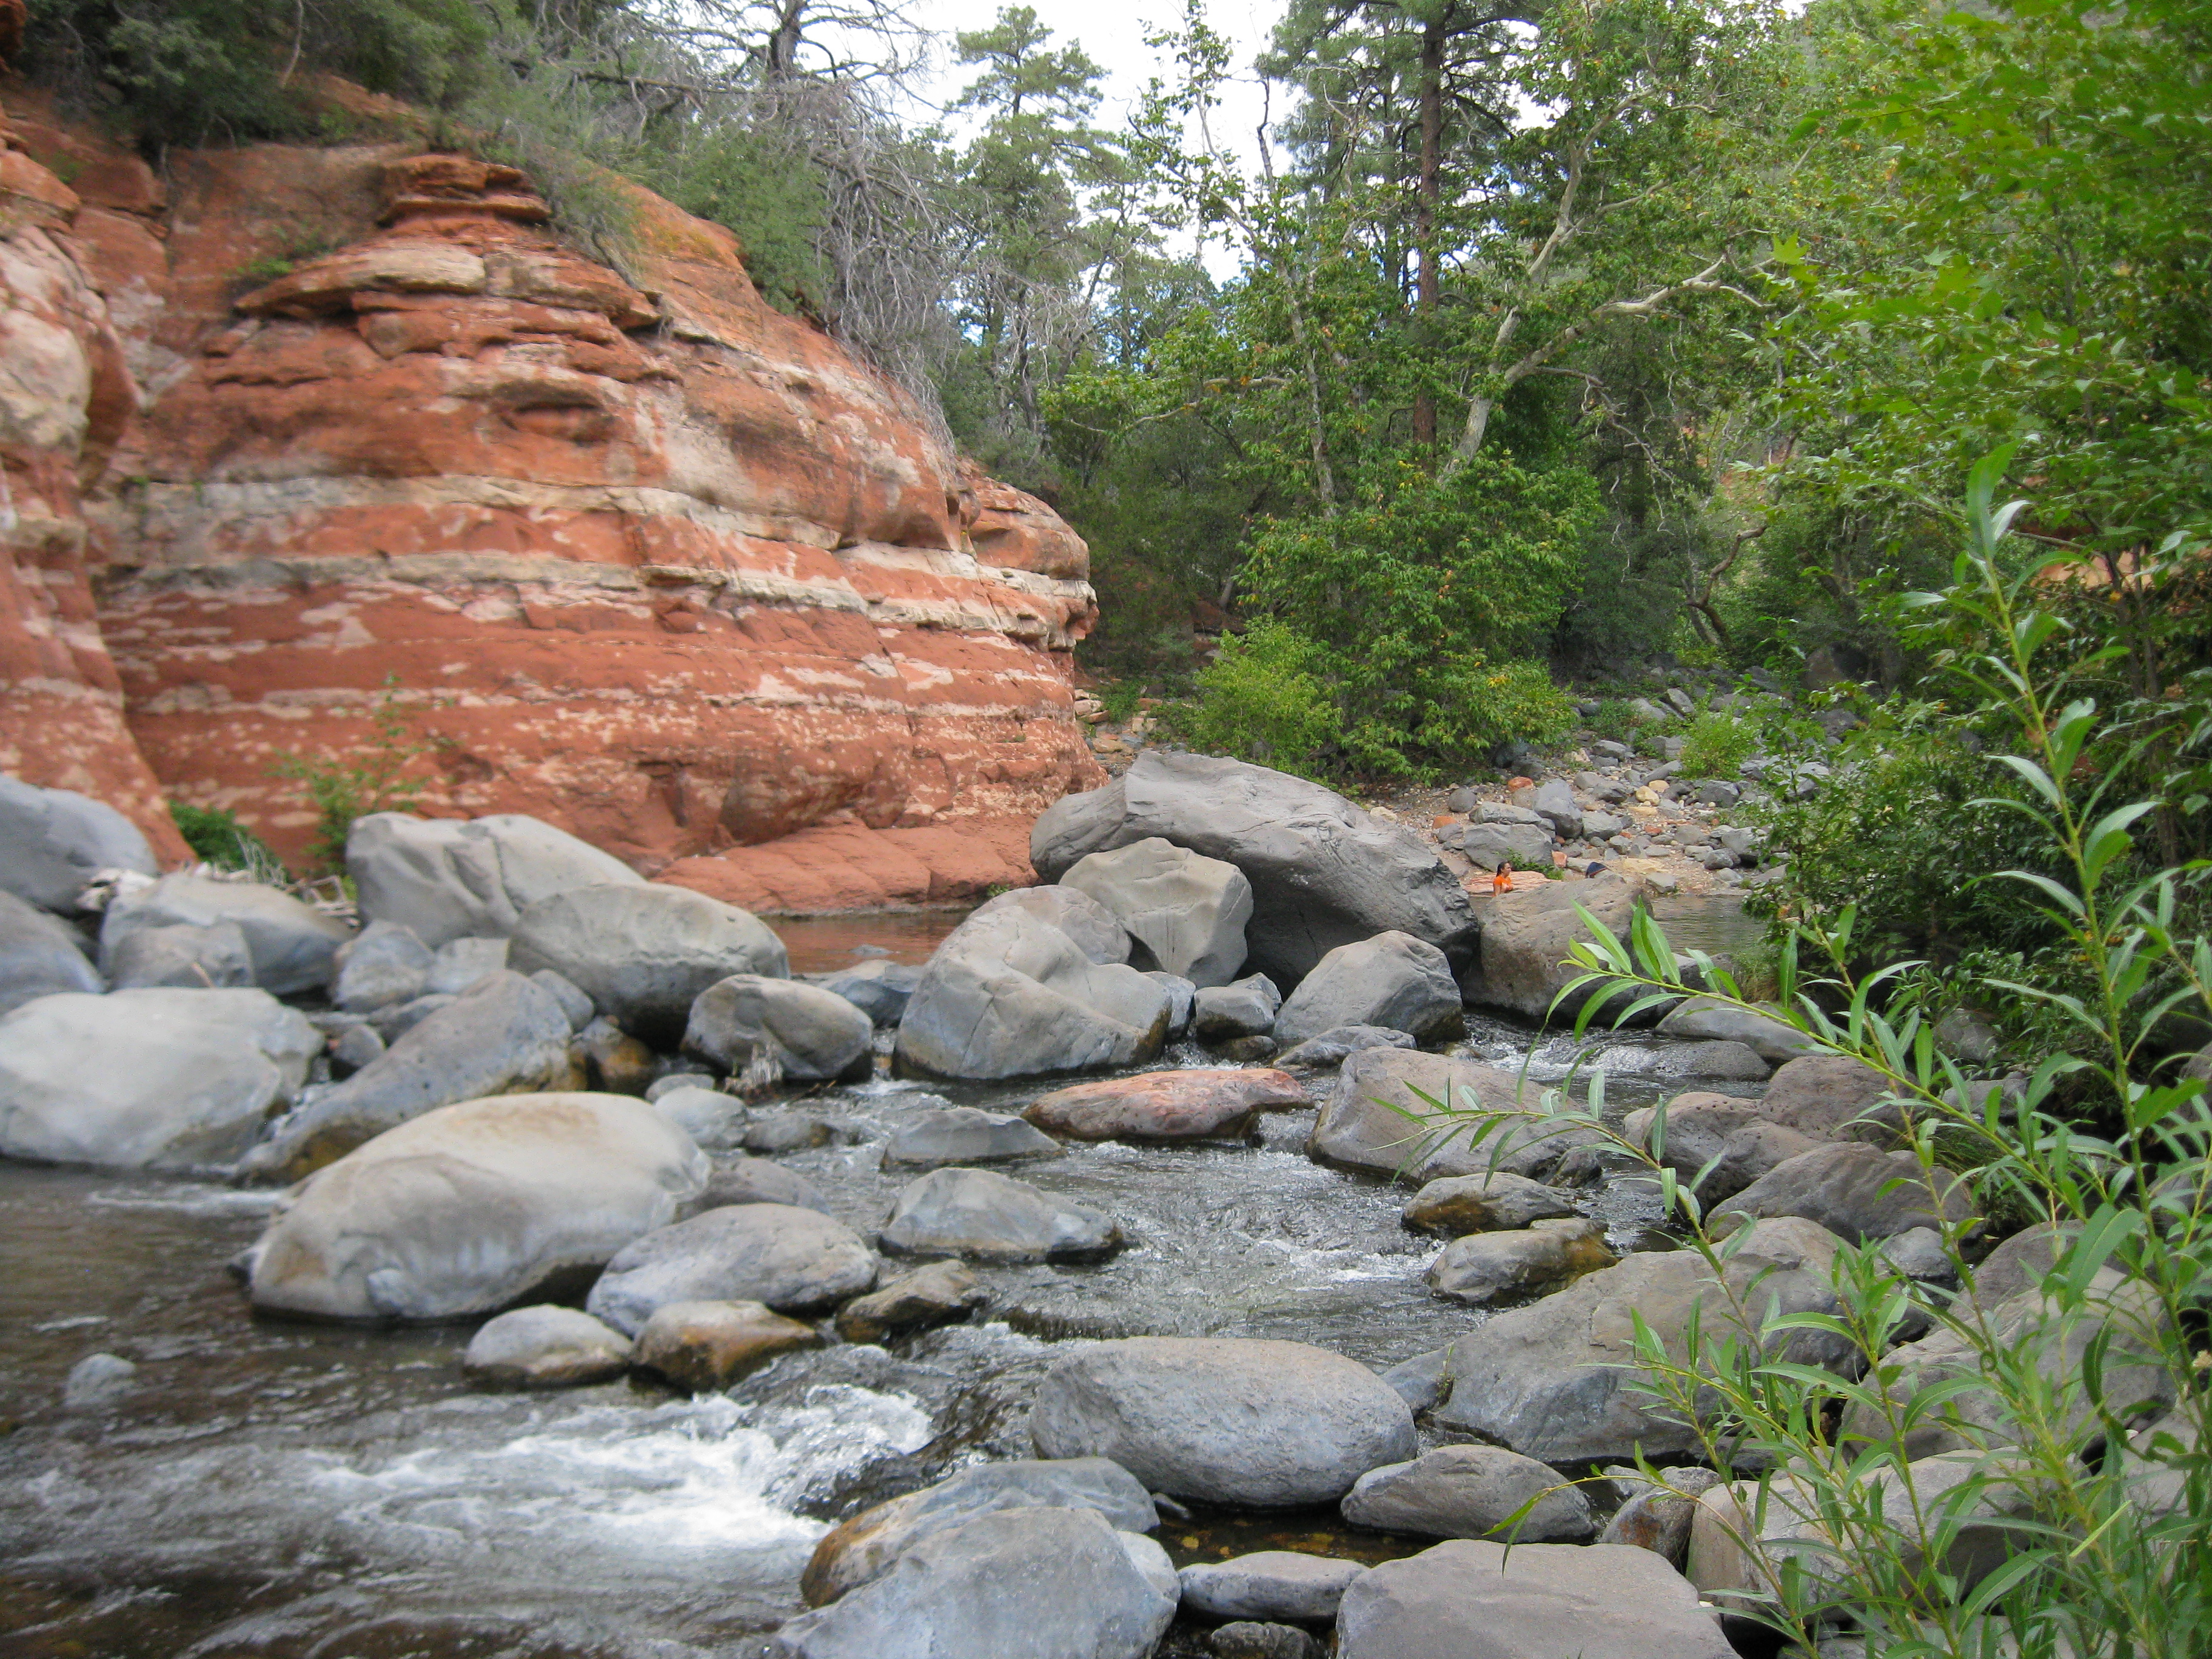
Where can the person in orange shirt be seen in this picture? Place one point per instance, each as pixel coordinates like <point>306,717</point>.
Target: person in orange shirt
<point>1502,882</point>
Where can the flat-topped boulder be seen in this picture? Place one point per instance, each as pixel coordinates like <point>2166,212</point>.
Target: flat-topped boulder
<point>1472,1492</point>
<point>1323,872</point>
<point>1284,1585</point>
<point>1165,1106</point>
<point>1225,1420</point>
<point>1857,1192</point>
<point>791,1259</point>
<point>965,1134</point>
<point>290,945</point>
<point>1186,912</point>
<point>982,1216</point>
<point>446,878</point>
<point>474,1206</point>
<point>1452,1206</point>
<point>545,1347</point>
<point>1730,1143</point>
<point>1527,934</point>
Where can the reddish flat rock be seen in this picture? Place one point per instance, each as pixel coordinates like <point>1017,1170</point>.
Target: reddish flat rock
<point>849,866</point>
<point>1166,1105</point>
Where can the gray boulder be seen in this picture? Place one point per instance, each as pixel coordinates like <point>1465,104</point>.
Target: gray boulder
<point>461,964</point>
<point>644,952</point>
<point>1096,930</point>
<point>962,1134</point>
<point>811,1033</point>
<point>1499,811</point>
<point>1485,1268</point>
<point>1522,846</point>
<point>1392,980</point>
<point>1731,1136</point>
<point>446,878</point>
<point>1223,1420</point>
<point>757,1181</point>
<point>384,966</point>
<point>1658,1518</point>
<point>393,1023</point>
<point>863,1549</point>
<point>1276,1585</point>
<point>1045,1584</point>
<point>40,955</point>
<point>936,1294</point>
<point>1731,1062</point>
<point>1857,1192</point>
<point>982,1216</point>
<point>1337,1044</point>
<point>1550,1379</point>
<point>545,1347</point>
<point>97,1380</point>
<point>473,1207</point>
<point>1183,999</point>
<point>1009,994</point>
<point>1772,1040</point>
<point>1832,1097</point>
<point>706,1345</point>
<point>1423,1381</point>
<point>506,1036</point>
<point>1323,873</point>
<point>182,956</point>
<point>878,989</point>
<point>1248,1638</point>
<point>291,946</point>
<point>354,1047</point>
<point>791,1259</point>
<point>1471,1491</point>
<point>564,991</point>
<point>1367,1122</point>
<point>1452,1206</point>
<point>1526,936</point>
<point>1554,803</point>
<point>1187,912</point>
<point>1245,1007</point>
<point>154,1078</point>
<point>1472,1599</point>
<point>54,841</point>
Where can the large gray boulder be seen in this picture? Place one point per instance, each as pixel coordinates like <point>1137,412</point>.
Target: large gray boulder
<point>473,1207</point>
<point>445,878</point>
<point>813,1034</point>
<point>743,1180</point>
<point>291,946</point>
<point>1730,1143</point>
<point>1522,846</point>
<point>1392,980</point>
<point>1010,995</point>
<point>980,1215</point>
<point>1367,1122</point>
<point>1323,873</point>
<point>1095,930</point>
<point>1527,934</point>
<point>1243,1008</point>
<point>1187,912</point>
<point>1554,802</point>
<point>791,1259</point>
<point>1042,1583</point>
<point>40,955</point>
<point>1471,1491</point>
<point>1332,1047</point>
<point>1773,1041</point>
<point>644,953</point>
<point>154,1078</point>
<point>1283,1585</point>
<point>863,1549</point>
<point>1472,1599</point>
<point>183,957</point>
<point>1857,1192</point>
<point>54,841</point>
<point>507,1036</point>
<point>1832,1097</point>
<point>1225,1420</point>
<point>1452,1206</point>
<point>1551,1380</point>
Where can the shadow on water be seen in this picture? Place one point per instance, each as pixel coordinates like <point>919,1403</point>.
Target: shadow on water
<point>339,1493</point>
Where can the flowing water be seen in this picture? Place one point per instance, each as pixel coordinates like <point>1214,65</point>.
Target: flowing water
<point>294,1492</point>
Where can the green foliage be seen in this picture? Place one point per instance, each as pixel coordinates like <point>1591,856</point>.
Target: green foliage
<point>1263,700</point>
<point>372,779</point>
<point>1120,699</point>
<point>1718,745</point>
<point>216,837</point>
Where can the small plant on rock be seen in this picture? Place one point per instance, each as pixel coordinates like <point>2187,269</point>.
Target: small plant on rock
<point>372,778</point>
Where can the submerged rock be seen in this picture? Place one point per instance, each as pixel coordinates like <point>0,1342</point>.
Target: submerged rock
<point>986,1216</point>
<point>1166,1106</point>
<point>937,1294</point>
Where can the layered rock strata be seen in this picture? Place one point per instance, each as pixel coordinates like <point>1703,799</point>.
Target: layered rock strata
<point>630,550</point>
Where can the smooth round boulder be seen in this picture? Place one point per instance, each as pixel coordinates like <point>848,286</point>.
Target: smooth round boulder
<point>445,878</point>
<point>1381,1116</point>
<point>1482,1269</point>
<point>864,1548</point>
<point>150,1079</point>
<point>291,946</point>
<point>471,1207</point>
<point>1096,932</point>
<point>937,1294</point>
<point>1166,1106</point>
<point>182,956</point>
<point>545,1347</point>
<point>644,953</point>
<point>814,1035</point>
<point>1243,1008</point>
<point>705,1346</point>
<point>1279,1585</point>
<point>1471,1599</point>
<point>1832,1097</point>
<point>1225,1420</point>
<point>757,1181</point>
<point>1042,1583</point>
<point>1394,981</point>
<point>1471,1491</point>
<point>1772,1040</point>
<point>965,1134</point>
<point>1187,912</point>
<point>54,841</point>
<point>984,1216</point>
<point>791,1259</point>
<point>40,956</point>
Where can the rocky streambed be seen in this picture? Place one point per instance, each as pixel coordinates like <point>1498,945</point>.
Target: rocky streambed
<point>267,1487</point>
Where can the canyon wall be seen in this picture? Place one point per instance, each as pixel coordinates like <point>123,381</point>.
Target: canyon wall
<point>631,551</point>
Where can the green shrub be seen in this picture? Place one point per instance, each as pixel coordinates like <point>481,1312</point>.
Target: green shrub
<point>1119,698</point>
<point>371,779</point>
<point>1718,745</point>
<point>1262,701</point>
<point>216,837</point>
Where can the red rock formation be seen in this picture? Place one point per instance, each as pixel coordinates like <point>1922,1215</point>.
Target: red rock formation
<point>647,558</point>
<point>66,395</point>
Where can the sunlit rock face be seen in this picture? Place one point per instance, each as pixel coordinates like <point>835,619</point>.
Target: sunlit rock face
<point>650,560</point>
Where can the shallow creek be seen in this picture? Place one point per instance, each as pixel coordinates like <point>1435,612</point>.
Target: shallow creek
<point>285,1491</point>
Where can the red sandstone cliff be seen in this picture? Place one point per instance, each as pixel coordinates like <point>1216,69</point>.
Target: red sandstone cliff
<point>658,563</point>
